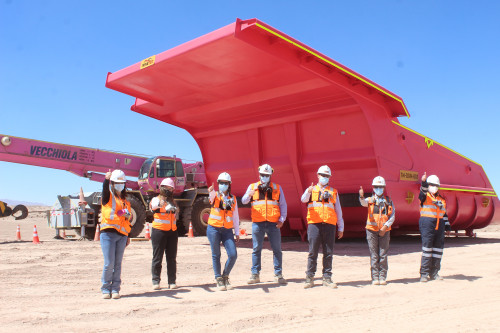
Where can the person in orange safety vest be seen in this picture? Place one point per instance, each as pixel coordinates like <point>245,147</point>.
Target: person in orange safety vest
<point>268,210</point>
<point>164,236</point>
<point>221,222</point>
<point>115,228</point>
<point>381,216</point>
<point>324,217</point>
<point>433,225</point>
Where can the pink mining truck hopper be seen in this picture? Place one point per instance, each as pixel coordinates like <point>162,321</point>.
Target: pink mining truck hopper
<point>190,192</point>
<point>249,94</point>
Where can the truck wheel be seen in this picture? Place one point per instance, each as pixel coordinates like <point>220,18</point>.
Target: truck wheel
<point>89,232</point>
<point>198,215</point>
<point>138,216</point>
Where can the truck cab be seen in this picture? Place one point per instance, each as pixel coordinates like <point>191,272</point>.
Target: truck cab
<point>156,169</point>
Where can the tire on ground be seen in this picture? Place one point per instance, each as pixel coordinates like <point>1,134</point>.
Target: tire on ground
<point>198,215</point>
<point>138,215</point>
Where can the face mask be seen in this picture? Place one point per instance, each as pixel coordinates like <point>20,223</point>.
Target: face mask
<point>433,189</point>
<point>264,179</point>
<point>378,191</point>
<point>119,187</point>
<point>323,180</point>
<point>223,188</point>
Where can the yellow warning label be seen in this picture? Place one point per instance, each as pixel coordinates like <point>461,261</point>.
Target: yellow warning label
<point>408,175</point>
<point>148,62</point>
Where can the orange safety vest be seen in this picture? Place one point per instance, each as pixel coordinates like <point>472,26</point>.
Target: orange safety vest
<point>375,221</point>
<point>110,218</point>
<point>430,208</point>
<point>219,217</point>
<point>164,220</point>
<point>320,211</point>
<point>263,208</point>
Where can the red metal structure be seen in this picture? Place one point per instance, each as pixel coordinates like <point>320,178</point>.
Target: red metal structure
<point>249,94</point>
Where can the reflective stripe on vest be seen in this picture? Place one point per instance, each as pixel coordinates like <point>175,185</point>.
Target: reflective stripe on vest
<point>375,221</point>
<point>319,211</point>
<point>430,208</point>
<point>221,218</point>
<point>109,217</point>
<point>164,220</point>
<point>264,209</point>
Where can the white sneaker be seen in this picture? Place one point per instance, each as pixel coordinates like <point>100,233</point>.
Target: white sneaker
<point>383,282</point>
<point>115,296</point>
<point>156,287</point>
<point>172,286</point>
<point>375,282</point>
<point>106,296</point>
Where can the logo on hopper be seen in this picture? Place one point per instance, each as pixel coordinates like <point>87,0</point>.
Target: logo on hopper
<point>54,153</point>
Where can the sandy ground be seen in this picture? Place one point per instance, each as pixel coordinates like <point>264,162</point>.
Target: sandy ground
<point>54,287</point>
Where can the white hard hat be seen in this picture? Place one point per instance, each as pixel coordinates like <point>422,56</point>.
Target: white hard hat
<point>378,181</point>
<point>225,177</point>
<point>325,169</point>
<point>434,180</point>
<point>168,182</point>
<point>266,169</point>
<point>118,176</point>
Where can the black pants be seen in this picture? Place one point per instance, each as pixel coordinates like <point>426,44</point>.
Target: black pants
<point>164,242</point>
<point>324,234</point>
<point>432,246</point>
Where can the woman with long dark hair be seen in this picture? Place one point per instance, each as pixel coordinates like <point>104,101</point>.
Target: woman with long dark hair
<point>223,219</point>
<point>115,228</point>
<point>164,236</point>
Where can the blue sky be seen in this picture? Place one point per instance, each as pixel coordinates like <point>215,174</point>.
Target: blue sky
<point>441,57</point>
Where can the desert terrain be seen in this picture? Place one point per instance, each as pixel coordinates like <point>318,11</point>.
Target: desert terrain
<point>55,287</point>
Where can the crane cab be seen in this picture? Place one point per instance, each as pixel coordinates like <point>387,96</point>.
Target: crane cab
<point>155,169</point>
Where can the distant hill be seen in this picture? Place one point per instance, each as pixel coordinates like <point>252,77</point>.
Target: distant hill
<point>14,203</point>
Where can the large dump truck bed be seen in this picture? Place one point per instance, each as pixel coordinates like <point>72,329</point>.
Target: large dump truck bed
<point>249,94</point>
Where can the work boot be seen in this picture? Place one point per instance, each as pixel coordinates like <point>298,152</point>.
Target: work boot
<point>280,279</point>
<point>115,296</point>
<point>309,282</point>
<point>254,278</point>
<point>436,277</point>
<point>327,282</point>
<point>375,282</point>
<point>106,296</point>
<point>227,283</point>
<point>220,284</point>
<point>424,278</point>
<point>156,286</point>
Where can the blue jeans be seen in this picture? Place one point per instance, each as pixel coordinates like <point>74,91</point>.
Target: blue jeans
<point>216,236</point>
<point>259,230</point>
<point>113,247</point>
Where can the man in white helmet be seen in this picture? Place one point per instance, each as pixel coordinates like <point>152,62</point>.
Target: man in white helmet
<point>381,216</point>
<point>268,207</point>
<point>432,224</point>
<point>324,216</point>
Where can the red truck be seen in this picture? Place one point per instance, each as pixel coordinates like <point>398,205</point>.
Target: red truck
<point>249,94</point>
<point>190,192</point>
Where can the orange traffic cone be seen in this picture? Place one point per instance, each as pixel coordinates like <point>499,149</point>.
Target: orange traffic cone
<point>243,232</point>
<point>36,240</point>
<point>147,235</point>
<point>97,236</point>
<point>18,233</point>
<point>190,232</point>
